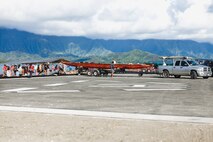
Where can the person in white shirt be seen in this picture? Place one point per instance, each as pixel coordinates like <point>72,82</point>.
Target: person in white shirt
<point>20,70</point>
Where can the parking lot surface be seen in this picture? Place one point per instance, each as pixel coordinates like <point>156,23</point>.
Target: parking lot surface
<point>94,109</point>
<point>126,94</point>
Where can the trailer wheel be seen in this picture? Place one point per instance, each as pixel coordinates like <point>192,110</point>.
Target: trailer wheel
<point>165,73</point>
<point>79,71</point>
<point>105,73</point>
<point>140,74</point>
<point>89,73</point>
<point>177,76</point>
<point>193,75</point>
<point>96,73</point>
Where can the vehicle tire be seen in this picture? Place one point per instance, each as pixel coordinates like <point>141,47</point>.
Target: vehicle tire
<point>105,73</point>
<point>140,74</point>
<point>80,71</point>
<point>205,77</point>
<point>177,76</point>
<point>193,75</point>
<point>165,74</point>
<point>89,73</point>
<point>96,73</point>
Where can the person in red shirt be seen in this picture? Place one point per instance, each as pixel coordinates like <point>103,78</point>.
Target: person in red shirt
<point>31,70</point>
<point>4,70</point>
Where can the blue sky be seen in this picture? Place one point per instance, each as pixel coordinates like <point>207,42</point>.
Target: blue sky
<point>112,19</point>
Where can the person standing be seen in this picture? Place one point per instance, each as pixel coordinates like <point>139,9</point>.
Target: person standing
<point>4,70</point>
<point>112,67</point>
<point>45,69</point>
<point>20,70</point>
<point>31,70</point>
<point>40,69</point>
<point>8,71</point>
<point>12,69</point>
<point>16,70</point>
<point>36,69</point>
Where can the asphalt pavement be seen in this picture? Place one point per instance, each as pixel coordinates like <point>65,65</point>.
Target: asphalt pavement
<point>149,94</point>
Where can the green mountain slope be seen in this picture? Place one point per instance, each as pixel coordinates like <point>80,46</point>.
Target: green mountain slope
<point>17,56</point>
<point>46,46</point>
<point>134,56</point>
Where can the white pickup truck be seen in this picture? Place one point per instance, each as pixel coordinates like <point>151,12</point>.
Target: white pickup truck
<point>183,66</point>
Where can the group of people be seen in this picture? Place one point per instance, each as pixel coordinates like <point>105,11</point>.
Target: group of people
<point>32,70</point>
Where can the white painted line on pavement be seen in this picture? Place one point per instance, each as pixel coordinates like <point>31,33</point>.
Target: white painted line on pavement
<point>110,85</point>
<point>107,81</point>
<point>139,85</point>
<point>18,89</point>
<point>100,114</point>
<point>135,90</point>
<point>146,78</point>
<point>117,85</point>
<point>56,84</point>
<point>113,84</point>
<point>167,83</point>
<point>9,79</point>
<point>79,81</point>
<point>50,91</point>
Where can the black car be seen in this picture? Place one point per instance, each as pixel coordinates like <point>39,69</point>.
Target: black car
<point>206,62</point>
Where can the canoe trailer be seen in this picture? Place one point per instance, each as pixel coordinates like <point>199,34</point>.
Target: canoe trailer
<point>100,69</point>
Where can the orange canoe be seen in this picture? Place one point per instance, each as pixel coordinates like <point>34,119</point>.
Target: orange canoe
<point>108,66</point>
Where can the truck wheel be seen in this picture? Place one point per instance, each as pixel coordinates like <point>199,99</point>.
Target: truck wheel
<point>96,73</point>
<point>193,75</point>
<point>177,76</point>
<point>206,77</point>
<point>165,73</point>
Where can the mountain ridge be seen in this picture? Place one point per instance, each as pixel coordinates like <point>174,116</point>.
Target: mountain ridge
<point>46,45</point>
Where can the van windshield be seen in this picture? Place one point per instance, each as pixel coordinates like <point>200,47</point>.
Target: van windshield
<point>192,63</point>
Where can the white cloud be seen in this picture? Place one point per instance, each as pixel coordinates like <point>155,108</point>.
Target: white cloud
<point>170,19</point>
